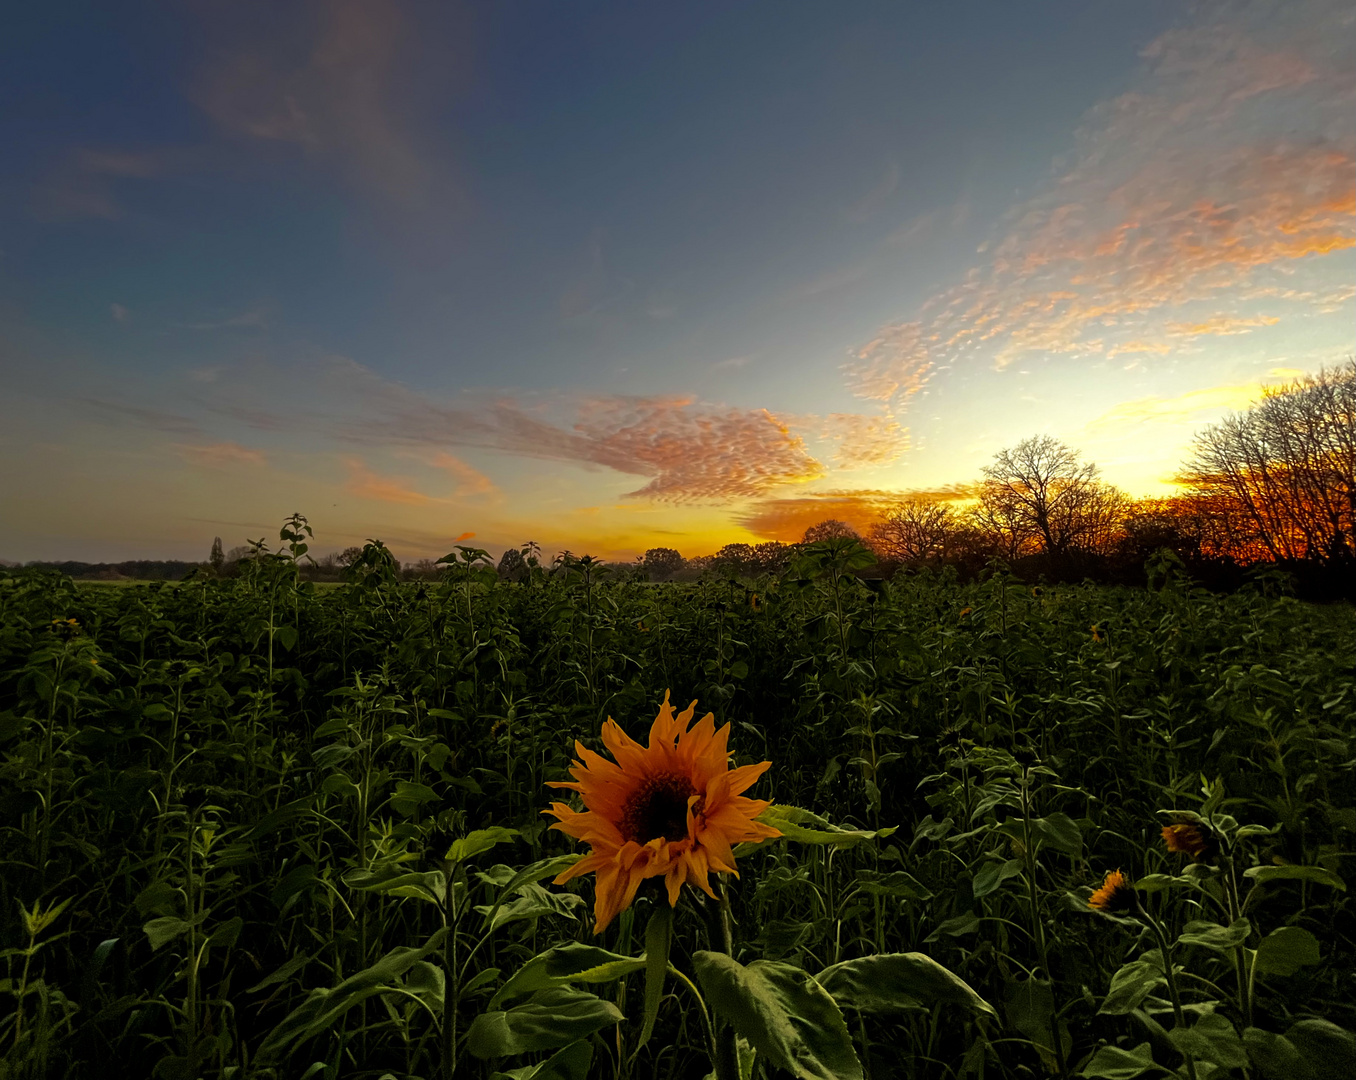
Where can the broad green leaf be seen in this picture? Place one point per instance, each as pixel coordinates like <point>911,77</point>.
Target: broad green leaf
<point>1285,950</point>
<point>569,1063</point>
<point>1317,874</point>
<point>478,842</point>
<point>547,1019</point>
<point>895,982</point>
<point>992,874</point>
<point>563,965</point>
<point>1328,1049</point>
<point>532,903</point>
<point>658,939</point>
<point>1214,936</point>
<point>1030,1008</point>
<point>785,1014</point>
<point>1274,1056</point>
<point>1130,986</point>
<point>1212,1038</point>
<point>227,933</point>
<point>409,796</point>
<point>807,828</point>
<point>1113,1063</point>
<point>165,929</point>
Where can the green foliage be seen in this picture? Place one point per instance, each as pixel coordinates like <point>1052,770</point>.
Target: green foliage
<point>252,828</point>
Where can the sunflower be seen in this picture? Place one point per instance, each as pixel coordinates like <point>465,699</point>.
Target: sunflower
<point>1115,897</point>
<point>673,809</point>
<point>1198,841</point>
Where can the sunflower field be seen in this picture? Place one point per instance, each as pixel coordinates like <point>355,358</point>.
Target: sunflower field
<point>253,828</point>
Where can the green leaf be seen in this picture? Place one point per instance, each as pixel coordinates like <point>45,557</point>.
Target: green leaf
<point>1130,986</point>
<point>1212,1038</point>
<point>895,982</point>
<point>1263,874</point>
<point>324,1006</point>
<point>1329,1050</point>
<point>227,933</point>
<point>563,965</point>
<point>992,874</point>
<point>409,796</point>
<point>165,929</point>
<point>1059,831</point>
<point>1030,1008</point>
<point>807,828</point>
<point>784,1013</point>
<point>1274,1056</point>
<point>1285,950</point>
<point>569,1063</point>
<point>533,902</point>
<point>1113,1063</point>
<point>429,886</point>
<point>478,842</point>
<point>1214,936</point>
<point>658,939</point>
<point>549,1018</point>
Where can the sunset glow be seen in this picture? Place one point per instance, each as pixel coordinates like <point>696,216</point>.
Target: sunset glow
<point>610,278</point>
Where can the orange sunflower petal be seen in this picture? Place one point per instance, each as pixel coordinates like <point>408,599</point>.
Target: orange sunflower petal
<point>670,809</point>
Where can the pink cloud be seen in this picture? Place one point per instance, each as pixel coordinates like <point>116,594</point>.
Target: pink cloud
<point>366,484</point>
<point>1192,187</point>
<point>470,481</point>
<point>219,455</point>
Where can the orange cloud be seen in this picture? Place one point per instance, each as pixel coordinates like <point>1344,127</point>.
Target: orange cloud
<point>1221,325</point>
<point>469,481</point>
<point>1192,187</point>
<point>367,484</point>
<point>219,455</point>
<point>865,441</point>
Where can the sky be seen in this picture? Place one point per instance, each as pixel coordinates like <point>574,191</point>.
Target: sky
<point>614,276</point>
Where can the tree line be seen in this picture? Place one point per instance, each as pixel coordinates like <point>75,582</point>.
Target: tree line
<point>1274,485</point>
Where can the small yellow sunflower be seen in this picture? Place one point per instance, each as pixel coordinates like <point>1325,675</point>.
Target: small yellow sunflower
<point>1115,897</point>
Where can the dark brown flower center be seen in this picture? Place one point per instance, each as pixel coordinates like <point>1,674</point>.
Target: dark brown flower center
<point>658,808</point>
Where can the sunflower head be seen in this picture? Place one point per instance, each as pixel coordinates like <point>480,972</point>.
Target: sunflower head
<point>1196,840</point>
<point>673,809</point>
<point>1115,897</point>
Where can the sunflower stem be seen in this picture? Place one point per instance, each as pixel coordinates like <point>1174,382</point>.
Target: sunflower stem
<point>726,1057</point>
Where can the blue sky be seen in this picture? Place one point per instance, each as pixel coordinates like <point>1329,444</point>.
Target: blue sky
<point>610,276</point>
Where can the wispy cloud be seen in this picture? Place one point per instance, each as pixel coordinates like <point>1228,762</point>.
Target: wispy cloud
<point>318,75</point>
<point>872,202</point>
<point>82,185</point>
<point>688,451</point>
<point>1180,409</point>
<point>219,455</point>
<point>366,484</point>
<point>1188,189</point>
<point>119,313</point>
<point>470,481</point>
<point>1220,325</point>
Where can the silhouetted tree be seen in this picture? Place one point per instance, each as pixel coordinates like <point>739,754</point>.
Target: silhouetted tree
<point>512,566</point>
<point>1285,470</point>
<point>735,559</point>
<point>915,531</point>
<point>661,563</point>
<point>217,559</point>
<point>1040,497</point>
<point>829,530</point>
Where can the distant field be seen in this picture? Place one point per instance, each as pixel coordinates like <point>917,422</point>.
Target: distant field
<point>249,792</point>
